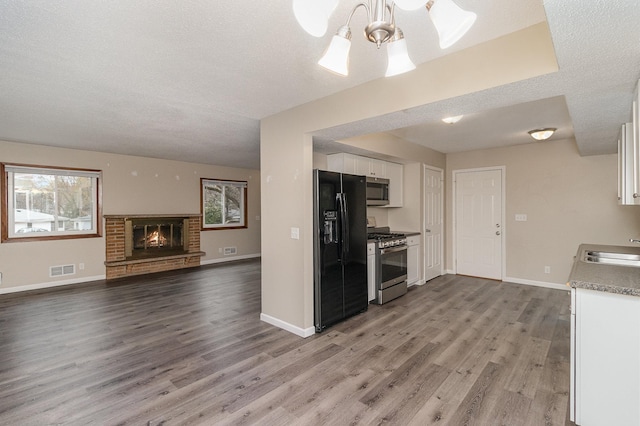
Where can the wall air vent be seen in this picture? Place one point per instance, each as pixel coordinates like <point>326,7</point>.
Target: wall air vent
<point>58,271</point>
<point>230,250</point>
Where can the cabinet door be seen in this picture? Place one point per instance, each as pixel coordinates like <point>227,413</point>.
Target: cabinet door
<point>371,271</point>
<point>413,262</point>
<point>626,165</point>
<point>607,358</point>
<point>342,163</point>
<point>363,166</point>
<point>377,168</point>
<point>635,162</point>
<point>395,174</point>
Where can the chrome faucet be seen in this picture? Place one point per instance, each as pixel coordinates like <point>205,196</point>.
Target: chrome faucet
<point>634,240</point>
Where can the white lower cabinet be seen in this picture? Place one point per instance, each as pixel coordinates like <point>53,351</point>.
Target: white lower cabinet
<point>413,259</point>
<point>605,358</point>
<point>371,270</point>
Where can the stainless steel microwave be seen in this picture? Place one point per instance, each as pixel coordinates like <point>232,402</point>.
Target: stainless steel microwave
<point>377,191</point>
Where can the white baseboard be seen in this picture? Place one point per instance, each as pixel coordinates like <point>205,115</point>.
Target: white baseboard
<point>525,281</point>
<point>228,259</point>
<point>40,286</point>
<point>302,332</point>
<point>50,284</point>
<point>536,283</point>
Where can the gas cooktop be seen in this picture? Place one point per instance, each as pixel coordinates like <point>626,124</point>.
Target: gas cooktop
<point>383,236</point>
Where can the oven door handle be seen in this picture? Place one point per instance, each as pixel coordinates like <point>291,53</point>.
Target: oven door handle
<point>392,249</point>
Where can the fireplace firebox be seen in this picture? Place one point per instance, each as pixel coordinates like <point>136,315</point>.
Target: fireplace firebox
<point>152,237</point>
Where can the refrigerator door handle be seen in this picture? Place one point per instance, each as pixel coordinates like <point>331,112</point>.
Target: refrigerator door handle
<point>345,227</point>
<point>339,227</point>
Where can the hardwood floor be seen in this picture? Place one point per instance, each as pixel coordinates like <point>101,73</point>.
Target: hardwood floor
<point>188,347</point>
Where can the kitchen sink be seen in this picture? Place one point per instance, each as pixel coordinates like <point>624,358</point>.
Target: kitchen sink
<point>611,258</point>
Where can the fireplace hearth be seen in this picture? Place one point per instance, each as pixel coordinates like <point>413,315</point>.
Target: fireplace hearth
<point>142,244</point>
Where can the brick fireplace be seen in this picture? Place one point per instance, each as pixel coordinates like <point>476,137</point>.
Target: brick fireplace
<point>143,244</point>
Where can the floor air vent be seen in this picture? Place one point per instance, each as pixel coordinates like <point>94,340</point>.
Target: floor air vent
<point>58,271</point>
<point>230,250</point>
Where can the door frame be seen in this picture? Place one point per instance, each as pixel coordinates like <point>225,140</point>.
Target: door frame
<point>424,221</point>
<point>503,240</point>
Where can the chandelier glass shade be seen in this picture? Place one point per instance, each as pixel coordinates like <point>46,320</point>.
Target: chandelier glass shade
<point>336,57</point>
<point>451,23</point>
<point>314,16</point>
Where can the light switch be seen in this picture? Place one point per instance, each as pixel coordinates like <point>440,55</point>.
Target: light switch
<point>295,233</point>
<point>521,218</point>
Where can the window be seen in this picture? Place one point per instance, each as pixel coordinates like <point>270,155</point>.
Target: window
<point>224,204</point>
<point>49,202</point>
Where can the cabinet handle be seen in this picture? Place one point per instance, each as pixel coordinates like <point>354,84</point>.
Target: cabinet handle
<point>497,232</point>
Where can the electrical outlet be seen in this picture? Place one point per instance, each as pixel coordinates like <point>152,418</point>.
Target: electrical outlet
<point>521,218</point>
<point>295,233</point>
<point>81,266</point>
<point>547,269</point>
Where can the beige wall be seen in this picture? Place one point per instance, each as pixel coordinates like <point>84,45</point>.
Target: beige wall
<point>286,153</point>
<point>568,200</point>
<point>130,185</point>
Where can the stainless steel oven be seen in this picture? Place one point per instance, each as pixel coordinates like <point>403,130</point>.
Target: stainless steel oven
<point>391,266</point>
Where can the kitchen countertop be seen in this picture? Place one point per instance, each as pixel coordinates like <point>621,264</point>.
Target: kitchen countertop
<point>608,278</point>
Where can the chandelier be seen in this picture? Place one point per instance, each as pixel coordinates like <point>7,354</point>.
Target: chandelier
<point>450,20</point>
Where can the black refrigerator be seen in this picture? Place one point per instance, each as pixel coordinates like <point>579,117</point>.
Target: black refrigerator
<point>340,247</point>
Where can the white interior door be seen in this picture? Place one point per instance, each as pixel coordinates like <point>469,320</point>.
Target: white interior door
<point>478,225</point>
<point>433,223</point>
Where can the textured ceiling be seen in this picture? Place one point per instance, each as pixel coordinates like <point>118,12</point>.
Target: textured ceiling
<point>191,80</point>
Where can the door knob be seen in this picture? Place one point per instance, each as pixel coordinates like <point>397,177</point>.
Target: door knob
<point>497,232</point>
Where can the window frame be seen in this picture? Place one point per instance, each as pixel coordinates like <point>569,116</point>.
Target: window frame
<point>6,236</point>
<point>244,185</point>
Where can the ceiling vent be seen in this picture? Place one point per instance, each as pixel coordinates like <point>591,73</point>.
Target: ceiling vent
<point>58,271</point>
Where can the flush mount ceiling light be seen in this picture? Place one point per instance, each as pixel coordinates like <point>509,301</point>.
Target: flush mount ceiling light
<point>542,134</point>
<point>450,20</point>
<point>452,120</point>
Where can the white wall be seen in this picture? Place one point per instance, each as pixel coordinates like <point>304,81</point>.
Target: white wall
<point>130,185</point>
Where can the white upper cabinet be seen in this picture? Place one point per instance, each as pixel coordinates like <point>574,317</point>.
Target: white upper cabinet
<point>626,165</point>
<point>369,166</point>
<point>636,146</point>
<point>365,166</point>
<point>395,173</point>
<point>629,157</point>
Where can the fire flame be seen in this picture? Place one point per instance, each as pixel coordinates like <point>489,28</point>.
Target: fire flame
<point>155,239</point>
